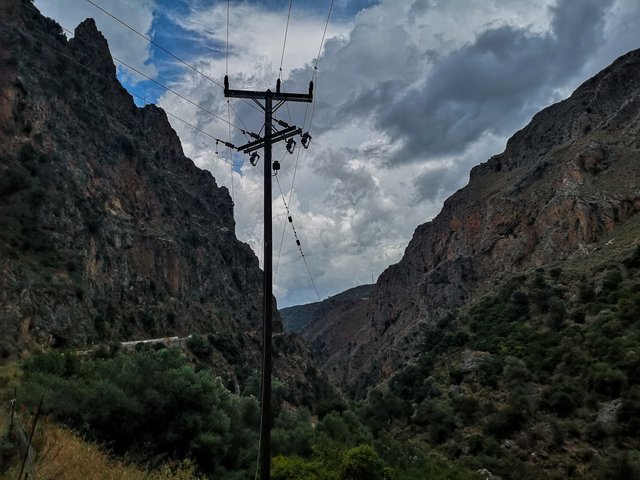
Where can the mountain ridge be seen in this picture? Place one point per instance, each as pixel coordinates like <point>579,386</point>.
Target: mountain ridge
<point>108,232</point>
<point>563,182</point>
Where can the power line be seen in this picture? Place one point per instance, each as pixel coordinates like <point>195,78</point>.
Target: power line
<point>284,229</point>
<point>168,52</point>
<point>226,71</point>
<point>62,54</point>
<point>170,90</point>
<point>324,34</point>
<point>304,121</point>
<point>148,77</point>
<point>284,43</point>
<point>295,234</point>
<point>152,42</point>
<point>270,137</point>
<point>229,151</point>
<point>315,68</point>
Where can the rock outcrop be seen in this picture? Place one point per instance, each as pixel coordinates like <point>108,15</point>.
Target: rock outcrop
<point>563,183</point>
<point>107,231</point>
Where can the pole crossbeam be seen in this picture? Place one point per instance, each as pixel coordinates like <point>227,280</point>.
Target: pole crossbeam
<point>277,96</point>
<point>270,137</point>
<point>275,137</point>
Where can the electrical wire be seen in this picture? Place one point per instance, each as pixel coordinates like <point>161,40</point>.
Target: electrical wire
<point>122,62</point>
<point>304,121</point>
<point>152,42</point>
<point>226,70</point>
<point>295,234</point>
<point>230,152</point>
<point>177,94</point>
<point>315,68</point>
<point>284,229</point>
<point>286,31</point>
<point>284,45</point>
<point>168,52</point>
<point>324,34</point>
<point>62,54</point>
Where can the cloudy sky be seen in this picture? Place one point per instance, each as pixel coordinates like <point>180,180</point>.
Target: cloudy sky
<point>410,95</point>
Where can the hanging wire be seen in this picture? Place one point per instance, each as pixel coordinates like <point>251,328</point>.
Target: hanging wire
<point>226,70</point>
<point>286,31</point>
<point>284,45</point>
<point>230,152</point>
<point>169,89</point>
<point>165,50</point>
<point>92,72</point>
<point>284,229</point>
<point>295,234</point>
<point>295,168</point>
<point>315,67</point>
<point>70,32</point>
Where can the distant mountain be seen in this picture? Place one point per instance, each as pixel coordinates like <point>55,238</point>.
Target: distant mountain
<point>330,326</point>
<point>107,231</point>
<point>297,318</point>
<point>564,186</point>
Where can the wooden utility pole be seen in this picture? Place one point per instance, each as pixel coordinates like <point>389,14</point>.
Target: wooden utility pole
<point>271,136</point>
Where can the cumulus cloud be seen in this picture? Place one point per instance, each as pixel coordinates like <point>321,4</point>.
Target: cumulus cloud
<point>409,96</point>
<point>497,81</point>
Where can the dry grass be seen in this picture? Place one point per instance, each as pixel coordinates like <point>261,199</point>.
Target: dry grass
<point>62,455</point>
<point>10,376</point>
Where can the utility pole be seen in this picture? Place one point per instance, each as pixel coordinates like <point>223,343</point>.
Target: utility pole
<point>271,136</point>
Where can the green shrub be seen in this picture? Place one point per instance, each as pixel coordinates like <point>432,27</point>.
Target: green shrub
<point>295,468</point>
<point>361,463</point>
<point>505,422</point>
<point>345,428</point>
<point>150,402</point>
<point>606,380</point>
<point>199,346</point>
<point>228,344</point>
<point>293,434</point>
<point>629,413</point>
<point>468,408</point>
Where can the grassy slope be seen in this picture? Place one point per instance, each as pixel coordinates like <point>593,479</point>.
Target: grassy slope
<point>63,455</point>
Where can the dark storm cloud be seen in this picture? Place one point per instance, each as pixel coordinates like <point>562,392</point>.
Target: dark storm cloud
<point>493,84</point>
<point>430,184</point>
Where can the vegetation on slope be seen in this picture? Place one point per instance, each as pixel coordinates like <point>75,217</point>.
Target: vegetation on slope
<point>537,379</point>
<point>153,407</point>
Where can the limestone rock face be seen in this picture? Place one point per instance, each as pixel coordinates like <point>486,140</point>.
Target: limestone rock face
<point>107,231</point>
<point>565,181</point>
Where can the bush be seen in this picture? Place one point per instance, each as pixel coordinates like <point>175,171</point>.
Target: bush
<point>437,417</point>
<point>228,344</point>
<point>629,413</point>
<point>294,468</point>
<point>293,434</point>
<point>606,380</point>
<point>344,428</point>
<point>150,402</point>
<point>505,422</point>
<point>468,408</point>
<point>199,346</point>
<point>361,463</point>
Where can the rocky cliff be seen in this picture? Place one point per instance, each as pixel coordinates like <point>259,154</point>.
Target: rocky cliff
<point>329,326</point>
<point>565,182</point>
<point>107,231</point>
